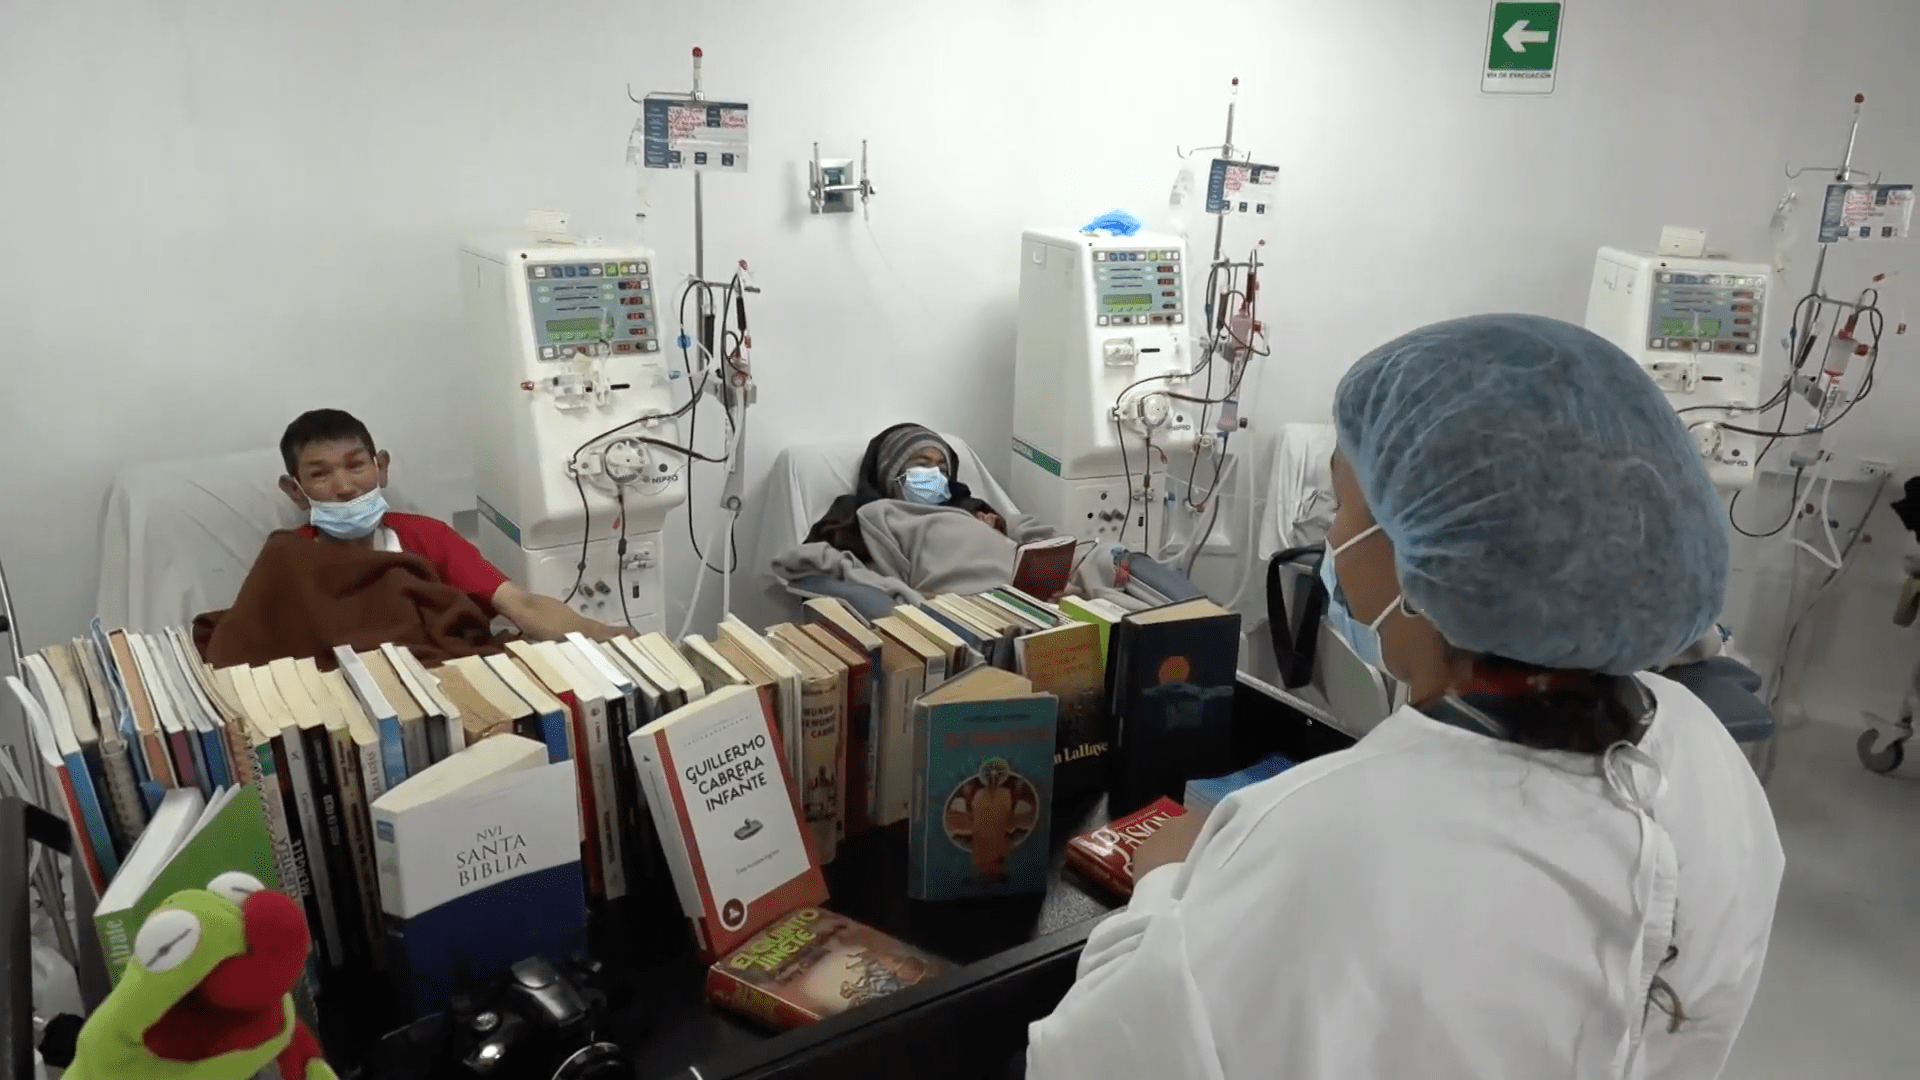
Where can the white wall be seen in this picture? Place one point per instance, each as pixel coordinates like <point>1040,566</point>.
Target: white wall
<point>219,214</point>
<point>1852,658</point>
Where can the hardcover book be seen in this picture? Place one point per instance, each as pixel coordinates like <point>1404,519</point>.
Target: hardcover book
<point>1105,854</point>
<point>1065,662</point>
<point>812,964</point>
<point>983,782</point>
<point>1170,678</point>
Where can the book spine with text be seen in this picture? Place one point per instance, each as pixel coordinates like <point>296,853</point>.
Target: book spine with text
<point>314,844</point>
<point>329,807</point>
<point>613,861</point>
<point>577,752</point>
<point>731,992</point>
<point>277,766</point>
<point>819,780</point>
<point>259,771</point>
<point>354,804</point>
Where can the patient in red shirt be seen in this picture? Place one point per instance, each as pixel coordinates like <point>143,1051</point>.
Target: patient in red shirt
<point>336,477</point>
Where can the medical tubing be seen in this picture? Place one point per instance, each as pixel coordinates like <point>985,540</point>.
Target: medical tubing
<point>1834,560</point>
<point>1793,504</point>
<point>726,572</point>
<point>699,583</point>
<point>1199,542</point>
<point>1251,570</point>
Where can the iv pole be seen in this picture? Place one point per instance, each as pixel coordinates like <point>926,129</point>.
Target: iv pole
<point>735,388</point>
<point>1804,341</point>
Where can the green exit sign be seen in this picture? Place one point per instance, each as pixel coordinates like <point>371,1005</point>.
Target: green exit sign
<point>1523,48</point>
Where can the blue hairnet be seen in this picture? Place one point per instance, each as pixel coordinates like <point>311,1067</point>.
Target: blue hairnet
<point>1545,503</point>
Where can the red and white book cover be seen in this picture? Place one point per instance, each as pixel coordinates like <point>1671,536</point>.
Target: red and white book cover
<point>729,818</point>
<point>1105,854</point>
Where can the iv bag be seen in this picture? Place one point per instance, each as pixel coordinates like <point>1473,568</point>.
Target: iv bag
<point>1785,228</point>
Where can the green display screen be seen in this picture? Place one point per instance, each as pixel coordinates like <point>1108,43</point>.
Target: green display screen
<point>572,326</point>
<point>1125,302</point>
<point>1695,328</point>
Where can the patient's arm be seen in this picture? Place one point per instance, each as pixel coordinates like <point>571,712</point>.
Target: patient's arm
<point>545,618</point>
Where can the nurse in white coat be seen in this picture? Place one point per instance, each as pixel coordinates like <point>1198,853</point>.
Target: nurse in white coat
<point>1551,864</point>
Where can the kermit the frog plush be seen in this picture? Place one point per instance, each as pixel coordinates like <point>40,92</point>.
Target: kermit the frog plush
<point>206,995</point>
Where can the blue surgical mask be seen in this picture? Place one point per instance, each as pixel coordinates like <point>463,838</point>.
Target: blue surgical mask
<point>1362,638</point>
<point>924,484</point>
<point>348,520</point>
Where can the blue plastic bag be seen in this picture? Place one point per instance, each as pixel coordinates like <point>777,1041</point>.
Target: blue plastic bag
<point>1113,223</point>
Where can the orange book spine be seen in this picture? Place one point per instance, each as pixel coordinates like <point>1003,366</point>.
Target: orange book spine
<point>79,831</point>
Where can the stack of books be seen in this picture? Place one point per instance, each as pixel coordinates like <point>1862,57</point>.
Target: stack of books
<point>404,805</point>
<point>172,771</point>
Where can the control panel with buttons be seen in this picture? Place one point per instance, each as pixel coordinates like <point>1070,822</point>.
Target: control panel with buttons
<point>1138,288</point>
<point>1717,313</point>
<point>1696,326</point>
<point>591,309</point>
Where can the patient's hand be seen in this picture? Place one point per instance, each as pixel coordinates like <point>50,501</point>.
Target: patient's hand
<point>988,517</point>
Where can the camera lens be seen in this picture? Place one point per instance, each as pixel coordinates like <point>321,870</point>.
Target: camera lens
<point>595,1061</point>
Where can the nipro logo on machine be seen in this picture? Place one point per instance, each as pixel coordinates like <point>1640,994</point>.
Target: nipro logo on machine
<point>1037,456</point>
<point>499,520</point>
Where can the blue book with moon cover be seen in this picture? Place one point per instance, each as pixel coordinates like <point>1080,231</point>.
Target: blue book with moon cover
<point>983,784</point>
<point>1170,680</point>
<point>479,863</point>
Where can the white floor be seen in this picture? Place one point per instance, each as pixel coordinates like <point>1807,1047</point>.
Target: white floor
<point>1840,999</point>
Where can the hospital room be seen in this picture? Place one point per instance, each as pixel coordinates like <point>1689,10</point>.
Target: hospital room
<point>689,539</point>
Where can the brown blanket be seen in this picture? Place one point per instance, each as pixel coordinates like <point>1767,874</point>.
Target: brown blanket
<point>303,597</point>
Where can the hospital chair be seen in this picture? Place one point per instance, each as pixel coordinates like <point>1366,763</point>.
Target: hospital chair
<point>806,479</point>
<point>178,537</point>
<point>1310,656</point>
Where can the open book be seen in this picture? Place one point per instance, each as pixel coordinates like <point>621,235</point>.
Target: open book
<point>1044,567</point>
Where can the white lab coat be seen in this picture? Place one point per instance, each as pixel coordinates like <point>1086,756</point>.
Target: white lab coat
<point>1433,903</point>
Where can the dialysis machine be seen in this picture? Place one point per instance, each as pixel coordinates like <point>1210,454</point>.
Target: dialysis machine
<point>1101,362</point>
<point>574,436</point>
<point>1695,326</point>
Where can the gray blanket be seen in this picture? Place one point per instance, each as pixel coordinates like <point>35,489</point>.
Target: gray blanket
<point>920,551</point>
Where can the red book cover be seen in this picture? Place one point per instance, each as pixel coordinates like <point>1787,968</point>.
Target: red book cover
<point>812,964</point>
<point>182,758</point>
<point>1105,854</point>
<point>748,859</point>
<point>1044,567</point>
<point>589,835</point>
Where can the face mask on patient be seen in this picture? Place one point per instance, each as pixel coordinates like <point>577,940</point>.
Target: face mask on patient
<point>924,484</point>
<point>348,520</point>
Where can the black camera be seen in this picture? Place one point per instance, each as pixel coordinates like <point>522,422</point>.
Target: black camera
<point>541,1022</point>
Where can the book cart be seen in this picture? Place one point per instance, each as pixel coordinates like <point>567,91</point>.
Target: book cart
<point>1019,955</point>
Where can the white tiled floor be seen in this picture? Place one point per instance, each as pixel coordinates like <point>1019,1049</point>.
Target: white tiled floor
<point>1840,999</point>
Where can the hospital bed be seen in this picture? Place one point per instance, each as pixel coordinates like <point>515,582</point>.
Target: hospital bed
<point>178,537</point>
<point>806,479</point>
<point>1311,660</point>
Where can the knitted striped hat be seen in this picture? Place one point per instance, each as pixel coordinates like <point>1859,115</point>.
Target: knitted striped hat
<point>898,445</point>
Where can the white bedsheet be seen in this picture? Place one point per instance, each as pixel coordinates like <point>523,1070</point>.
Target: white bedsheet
<point>806,479</point>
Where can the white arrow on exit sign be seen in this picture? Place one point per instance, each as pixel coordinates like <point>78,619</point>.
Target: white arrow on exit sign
<point>1518,37</point>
